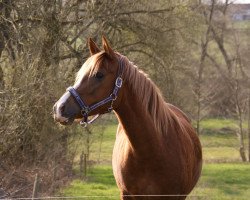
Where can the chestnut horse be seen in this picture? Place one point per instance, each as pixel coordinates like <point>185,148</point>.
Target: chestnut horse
<point>157,154</point>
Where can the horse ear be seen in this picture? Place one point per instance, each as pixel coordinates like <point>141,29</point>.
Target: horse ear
<point>93,48</point>
<point>107,48</point>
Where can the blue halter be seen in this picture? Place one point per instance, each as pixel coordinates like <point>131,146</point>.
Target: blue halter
<point>85,109</point>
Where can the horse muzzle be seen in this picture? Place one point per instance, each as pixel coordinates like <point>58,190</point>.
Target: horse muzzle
<point>60,115</point>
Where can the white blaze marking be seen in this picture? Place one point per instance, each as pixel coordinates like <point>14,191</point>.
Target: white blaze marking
<point>59,105</point>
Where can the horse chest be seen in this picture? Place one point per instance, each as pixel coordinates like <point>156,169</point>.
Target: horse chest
<point>134,174</point>
<point>123,162</point>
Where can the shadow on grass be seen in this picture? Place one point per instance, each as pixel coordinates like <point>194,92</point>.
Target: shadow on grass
<point>101,175</point>
<point>230,180</point>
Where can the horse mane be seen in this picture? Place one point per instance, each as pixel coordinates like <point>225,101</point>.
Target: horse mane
<point>165,119</point>
<point>90,66</point>
<point>150,97</point>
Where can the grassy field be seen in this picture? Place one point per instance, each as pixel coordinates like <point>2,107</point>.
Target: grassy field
<point>218,181</point>
<point>224,181</point>
<point>223,175</point>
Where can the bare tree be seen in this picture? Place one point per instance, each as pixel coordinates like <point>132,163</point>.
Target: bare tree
<point>199,91</point>
<point>248,125</point>
<point>233,63</point>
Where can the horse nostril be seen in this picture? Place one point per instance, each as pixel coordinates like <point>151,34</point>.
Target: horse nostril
<point>62,108</point>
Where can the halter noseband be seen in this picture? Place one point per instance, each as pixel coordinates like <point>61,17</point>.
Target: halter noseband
<point>85,109</point>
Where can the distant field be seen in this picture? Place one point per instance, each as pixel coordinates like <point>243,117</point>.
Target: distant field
<point>219,140</point>
<point>223,175</point>
<point>241,24</point>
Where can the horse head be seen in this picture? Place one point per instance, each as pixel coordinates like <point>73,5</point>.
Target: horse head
<point>96,87</point>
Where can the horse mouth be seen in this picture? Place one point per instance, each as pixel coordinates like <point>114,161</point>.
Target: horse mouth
<point>67,122</point>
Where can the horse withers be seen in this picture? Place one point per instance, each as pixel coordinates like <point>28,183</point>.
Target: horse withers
<point>157,154</point>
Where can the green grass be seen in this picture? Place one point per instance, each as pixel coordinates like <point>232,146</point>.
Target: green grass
<point>214,124</point>
<point>107,144</point>
<point>241,25</point>
<point>219,141</point>
<point>99,183</point>
<point>78,143</point>
<point>223,175</point>
<point>218,182</point>
<point>221,154</point>
<point>220,124</point>
<point>224,181</point>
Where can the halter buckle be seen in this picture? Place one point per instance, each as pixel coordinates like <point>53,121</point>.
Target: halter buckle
<point>85,110</point>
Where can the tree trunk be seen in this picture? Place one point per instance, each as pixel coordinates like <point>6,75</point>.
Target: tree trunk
<point>241,136</point>
<point>1,44</point>
<point>249,126</point>
<point>240,123</point>
<point>204,47</point>
<point>1,79</point>
<point>198,115</point>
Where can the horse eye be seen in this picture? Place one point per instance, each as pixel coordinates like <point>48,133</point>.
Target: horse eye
<point>99,75</point>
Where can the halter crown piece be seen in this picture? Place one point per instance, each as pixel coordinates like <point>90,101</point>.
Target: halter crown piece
<point>85,109</point>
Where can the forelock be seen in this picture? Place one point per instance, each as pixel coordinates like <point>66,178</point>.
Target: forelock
<point>90,66</point>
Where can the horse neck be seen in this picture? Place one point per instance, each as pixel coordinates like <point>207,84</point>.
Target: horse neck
<point>137,124</point>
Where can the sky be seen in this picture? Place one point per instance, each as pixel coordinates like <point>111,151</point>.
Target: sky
<point>238,1</point>
<point>234,1</point>
<point>242,1</point>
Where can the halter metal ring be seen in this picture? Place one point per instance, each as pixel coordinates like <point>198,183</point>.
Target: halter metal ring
<point>84,124</point>
<point>118,82</point>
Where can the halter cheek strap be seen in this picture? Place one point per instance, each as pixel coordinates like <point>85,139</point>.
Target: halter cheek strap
<point>85,109</point>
